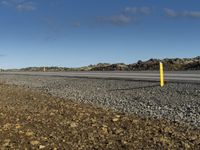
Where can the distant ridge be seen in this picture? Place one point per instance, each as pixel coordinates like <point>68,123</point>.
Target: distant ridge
<point>170,64</point>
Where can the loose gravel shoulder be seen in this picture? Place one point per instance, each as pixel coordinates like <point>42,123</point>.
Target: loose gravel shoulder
<point>177,102</point>
<point>32,120</point>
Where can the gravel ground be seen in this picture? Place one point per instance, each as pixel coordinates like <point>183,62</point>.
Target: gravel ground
<point>175,102</point>
<point>34,120</point>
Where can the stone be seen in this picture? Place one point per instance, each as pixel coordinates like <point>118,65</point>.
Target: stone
<point>34,142</point>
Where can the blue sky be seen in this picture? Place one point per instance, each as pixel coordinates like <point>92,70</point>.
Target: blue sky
<point>75,33</point>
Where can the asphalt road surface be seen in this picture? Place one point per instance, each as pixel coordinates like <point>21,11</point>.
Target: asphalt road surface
<point>173,76</point>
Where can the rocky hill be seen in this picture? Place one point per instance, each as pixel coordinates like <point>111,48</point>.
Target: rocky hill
<point>170,64</point>
<point>153,64</point>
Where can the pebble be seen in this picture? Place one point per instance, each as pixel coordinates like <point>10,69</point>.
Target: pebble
<point>41,147</point>
<point>132,97</point>
<point>34,142</point>
<point>115,119</point>
<point>29,133</point>
<point>73,125</point>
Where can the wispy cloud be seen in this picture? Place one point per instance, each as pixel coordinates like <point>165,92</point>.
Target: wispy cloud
<point>5,3</point>
<point>20,5</point>
<point>115,20</point>
<point>184,14</point>
<point>126,16</point>
<point>28,6</point>
<point>138,10</point>
<point>170,12</point>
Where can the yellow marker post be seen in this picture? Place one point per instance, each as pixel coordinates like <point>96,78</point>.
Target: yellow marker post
<point>161,75</point>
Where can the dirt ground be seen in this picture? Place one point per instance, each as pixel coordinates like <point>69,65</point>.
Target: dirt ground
<point>32,120</point>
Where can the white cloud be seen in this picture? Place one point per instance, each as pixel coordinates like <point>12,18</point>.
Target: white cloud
<point>28,6</point>
<point>116,19</point>
<point>138,10</point>
<point>193,14</point>
<point>6,3</point>
<point>20,5</point>
<point>127,16</point>
<point>170,12</point>
<point>184,14</point>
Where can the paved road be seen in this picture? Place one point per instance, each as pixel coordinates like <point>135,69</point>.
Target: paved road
<point>183,76</point>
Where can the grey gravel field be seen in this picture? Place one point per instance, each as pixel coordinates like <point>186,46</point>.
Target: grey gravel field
<point>175,101</point>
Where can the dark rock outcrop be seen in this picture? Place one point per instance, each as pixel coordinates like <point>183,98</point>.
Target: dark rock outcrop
<point>170,64</point>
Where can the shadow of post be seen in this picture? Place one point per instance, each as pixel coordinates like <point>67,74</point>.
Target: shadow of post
<point>140,87</point>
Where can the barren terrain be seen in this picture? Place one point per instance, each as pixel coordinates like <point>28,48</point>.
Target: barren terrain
<point>34,120</point>
<point>177,102</point>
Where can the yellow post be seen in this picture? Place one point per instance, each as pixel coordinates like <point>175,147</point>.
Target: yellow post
<point>161,75</point>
